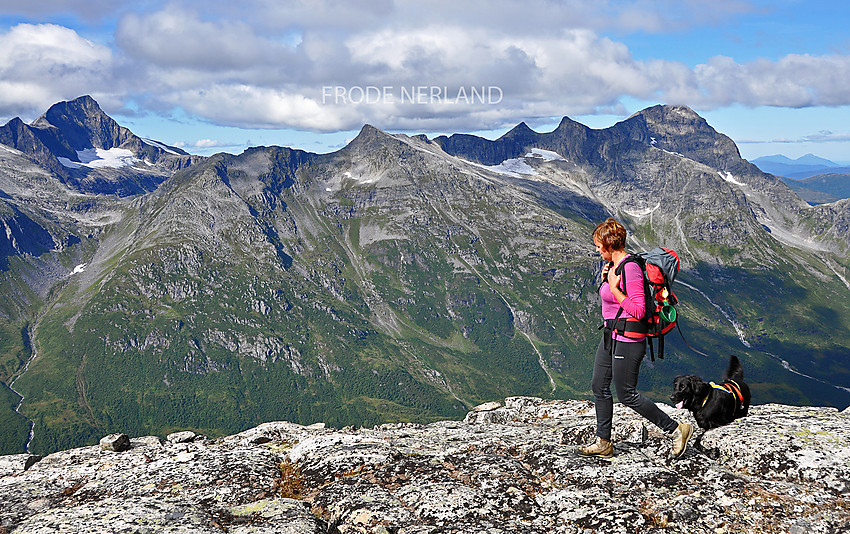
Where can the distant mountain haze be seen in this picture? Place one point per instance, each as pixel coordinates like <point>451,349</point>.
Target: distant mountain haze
<point>816,180</point>
<point>800,168</point>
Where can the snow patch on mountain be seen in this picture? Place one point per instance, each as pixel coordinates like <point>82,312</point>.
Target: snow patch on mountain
<point>519,166</point>
<point>547,155</point>
<point>362,177</point>
<point>642,213</point>
<point>512,167</point>
<point>159,145</point>
<point>96,158</point>
<point>729,177</point>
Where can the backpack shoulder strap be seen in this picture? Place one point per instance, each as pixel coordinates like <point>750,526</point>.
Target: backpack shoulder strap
<point>621,268</point>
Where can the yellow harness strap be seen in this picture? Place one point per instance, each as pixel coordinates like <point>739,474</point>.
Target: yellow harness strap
<point>715,386</point>
<point>729,387</point>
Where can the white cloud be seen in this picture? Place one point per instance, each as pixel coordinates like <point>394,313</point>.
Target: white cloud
<point>820,137</point>
<point>208,143</point>
<point>41,64</point>
<point>254,107</point>
<point>827,137</point>
<point>793,81</point>
<point>575,72</point>
<point>266,63</point>
<point>178,38</point>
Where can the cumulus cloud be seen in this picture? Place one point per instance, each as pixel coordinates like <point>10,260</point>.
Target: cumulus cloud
<point>793,81</point>
<point>271,63</point>
<point>178,38</point>
<point>41,64</point>
<point>575,72</point>
<point>206,145</point>
<point>255,107</point>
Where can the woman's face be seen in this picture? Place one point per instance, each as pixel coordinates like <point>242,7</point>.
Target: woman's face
<point>602,251</point>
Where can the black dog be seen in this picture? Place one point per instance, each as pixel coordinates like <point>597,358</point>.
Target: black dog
<point>714,405</point>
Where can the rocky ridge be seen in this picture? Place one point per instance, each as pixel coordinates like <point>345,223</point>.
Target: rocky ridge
<point>508,468</point>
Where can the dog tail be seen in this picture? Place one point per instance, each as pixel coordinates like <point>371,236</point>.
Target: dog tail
<point>735,371</point>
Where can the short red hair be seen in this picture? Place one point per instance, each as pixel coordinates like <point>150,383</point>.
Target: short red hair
<point>611,234</point>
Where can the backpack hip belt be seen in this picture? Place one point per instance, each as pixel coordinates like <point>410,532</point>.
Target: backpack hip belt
<point>630,327</point>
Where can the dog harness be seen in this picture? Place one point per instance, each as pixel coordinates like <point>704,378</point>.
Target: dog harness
<point>731,387</point>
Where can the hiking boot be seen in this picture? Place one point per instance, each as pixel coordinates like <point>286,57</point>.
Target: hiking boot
<point>681,436</point>
<point>601,448</point>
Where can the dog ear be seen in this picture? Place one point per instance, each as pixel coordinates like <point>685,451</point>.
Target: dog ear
<point>694,382</point>
<point>701,390</point>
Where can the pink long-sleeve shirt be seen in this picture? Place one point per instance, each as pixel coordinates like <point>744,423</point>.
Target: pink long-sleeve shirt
<point>634,305</point>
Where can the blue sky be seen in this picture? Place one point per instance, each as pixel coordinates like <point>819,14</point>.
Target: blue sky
<point>215,76</point>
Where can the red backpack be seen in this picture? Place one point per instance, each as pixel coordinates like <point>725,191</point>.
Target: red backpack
<point>660,267</point>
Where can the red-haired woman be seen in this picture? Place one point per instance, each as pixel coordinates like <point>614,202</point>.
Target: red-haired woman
<point>619,356</point>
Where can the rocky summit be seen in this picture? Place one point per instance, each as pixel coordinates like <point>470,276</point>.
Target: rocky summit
<point>506,468</point>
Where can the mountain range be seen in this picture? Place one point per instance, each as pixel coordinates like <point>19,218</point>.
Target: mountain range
<point>800,168</point>
<point>816,180</point>
<point>398,279</point>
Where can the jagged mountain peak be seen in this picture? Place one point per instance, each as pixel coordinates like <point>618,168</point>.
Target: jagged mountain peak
<point>83,106</point>
<point>520,129</point>
<point>670,112</point>
<point>567,124</point>
<point>81,124</point>
<point>510,145</point>
<point>679,129</point>
<point>88,150</point>
<point>368,137</point>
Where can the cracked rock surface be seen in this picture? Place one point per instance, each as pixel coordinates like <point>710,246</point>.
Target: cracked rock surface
<point>507,468</point>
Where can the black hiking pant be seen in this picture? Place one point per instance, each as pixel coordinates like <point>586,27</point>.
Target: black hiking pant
<point>621,361</point>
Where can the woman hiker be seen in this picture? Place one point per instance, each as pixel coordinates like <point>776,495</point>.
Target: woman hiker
<point>619,357</point>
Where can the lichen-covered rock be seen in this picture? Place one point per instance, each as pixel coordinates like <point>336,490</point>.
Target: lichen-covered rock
<point>807,444</point>
<point>17,463</point>
<point>274,516</point>
<point>144,514</point>
<point>115,442</point>
<point>181,437</point>
<point>508,469</point>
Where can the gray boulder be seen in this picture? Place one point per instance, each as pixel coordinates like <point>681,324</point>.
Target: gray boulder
<point>115,442</point>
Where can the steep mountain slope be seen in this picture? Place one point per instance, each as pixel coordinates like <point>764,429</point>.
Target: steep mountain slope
<point>403,278</point>
<point>63,180</point>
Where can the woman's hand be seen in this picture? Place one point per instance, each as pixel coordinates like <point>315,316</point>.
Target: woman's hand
<point>614,285</point>
<point>613,279</point>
